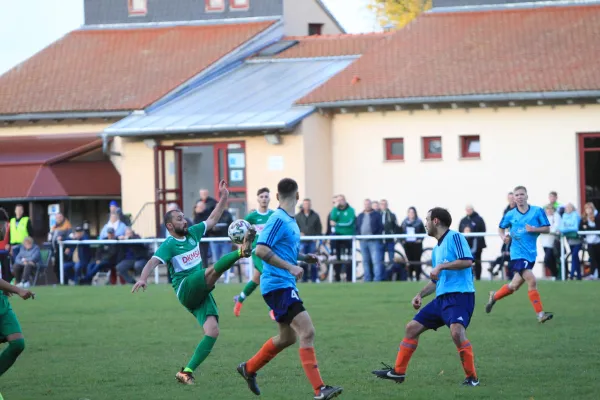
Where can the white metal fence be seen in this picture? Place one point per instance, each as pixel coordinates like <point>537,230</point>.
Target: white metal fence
<point>355,241</point>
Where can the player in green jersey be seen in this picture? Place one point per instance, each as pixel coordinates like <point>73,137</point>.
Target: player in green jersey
<point>258,219</point>
<point>192,282</point>
<point>10,329</point>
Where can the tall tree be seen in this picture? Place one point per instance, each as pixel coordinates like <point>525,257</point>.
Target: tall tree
<point>398,12</point>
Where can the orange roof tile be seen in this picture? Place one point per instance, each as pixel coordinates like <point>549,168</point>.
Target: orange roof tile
<point>111,70</point>
<point>478,52</point>
<point>331,45</point>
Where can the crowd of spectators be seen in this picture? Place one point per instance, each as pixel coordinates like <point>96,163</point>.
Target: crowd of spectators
<point>20,256</point>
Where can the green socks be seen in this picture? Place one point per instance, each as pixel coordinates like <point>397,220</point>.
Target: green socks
<point>248,289</point>
<point>227,261</point>
<point>202,351</point>
<point>10,354</point>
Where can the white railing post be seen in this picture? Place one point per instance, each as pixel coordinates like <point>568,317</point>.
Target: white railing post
<point>354,260</point>
<point>563,261</point>
<point>156,272</point>
<point>61,261</point>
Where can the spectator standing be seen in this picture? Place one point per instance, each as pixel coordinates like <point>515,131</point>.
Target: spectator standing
<point>390,227</point>
<point>219,249</point>
<point>20,228</point>
<point>375,205</point>
<point>343,223</point>
<point>548,240</point>
<point>477,225</point>
<point>28,259</point>
<point>558,207</point>
<point>413,246</point>
<point>115,224</point>
<point>510,198</point>
<point>58,232</point>
<point>591,222</point>
<point>369,222</point>
<point>202,210</point>
<point>114,208</point>
<point>309,223</point>
<point>569,225</point>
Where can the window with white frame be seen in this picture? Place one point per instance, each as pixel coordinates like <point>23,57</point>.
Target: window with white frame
<point>138,7</point>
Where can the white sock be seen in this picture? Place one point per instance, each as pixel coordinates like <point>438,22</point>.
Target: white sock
<point>242,296</point>
<point>540,314</point>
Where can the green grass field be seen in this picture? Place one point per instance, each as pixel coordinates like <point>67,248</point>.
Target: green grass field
<point>106,343</point>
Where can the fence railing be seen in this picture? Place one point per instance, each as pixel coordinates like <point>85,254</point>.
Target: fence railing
<point>155,242</point>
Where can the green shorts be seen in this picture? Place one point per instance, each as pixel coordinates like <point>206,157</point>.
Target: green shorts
<point>195,295</point>
<point>9,324</point>
<point>258,263</point>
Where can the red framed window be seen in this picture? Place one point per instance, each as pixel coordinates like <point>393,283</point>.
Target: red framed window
<point>214,5</point>
<point>470,147</point>
<point>432,148</point>
<point>394,149</point>
<point>239,5</point>
<point>137,7</point>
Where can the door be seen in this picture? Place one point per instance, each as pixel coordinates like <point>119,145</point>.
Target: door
<point>198,164</point>
<point>589,168</point>
<point>167,181</point>
<point>230,164</point>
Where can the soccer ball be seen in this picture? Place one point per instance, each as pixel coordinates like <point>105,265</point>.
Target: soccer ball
<point>237,230</point>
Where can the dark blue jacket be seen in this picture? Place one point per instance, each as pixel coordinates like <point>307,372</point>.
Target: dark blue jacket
<point>84,252</point>
<point>376,223</point>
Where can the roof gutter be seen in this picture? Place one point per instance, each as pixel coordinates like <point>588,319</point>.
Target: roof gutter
<point>463,99</point>
<point>64,115</point>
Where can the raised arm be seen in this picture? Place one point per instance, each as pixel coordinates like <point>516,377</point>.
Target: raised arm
<point>220,208</point>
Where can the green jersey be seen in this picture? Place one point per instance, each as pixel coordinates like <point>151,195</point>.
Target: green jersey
<point>259,221</point>
<point>345,220</point>
<point>182,256</point>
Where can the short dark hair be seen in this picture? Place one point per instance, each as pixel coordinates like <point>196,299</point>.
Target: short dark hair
<point>287,187</point>
<point>169,216</point>
<point>263,190</point>
<point>3,215</point>
<point>442,214</point>
<point>552,193</point>
<point>306,199</point>
<point>520,188</point>
<point>20,205</point>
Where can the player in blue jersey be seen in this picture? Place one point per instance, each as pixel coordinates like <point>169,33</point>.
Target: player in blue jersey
<point>525,223</point>
<point>277,246</point>
<point>452,282</point>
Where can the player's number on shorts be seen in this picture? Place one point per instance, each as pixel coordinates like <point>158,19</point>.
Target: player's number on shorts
<point>295,295</point>
<point>526,264</point>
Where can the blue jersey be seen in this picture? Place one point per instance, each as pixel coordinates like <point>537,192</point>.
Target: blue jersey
<point>282,235</point>
<point>524,244</point>
<point>453,246</point>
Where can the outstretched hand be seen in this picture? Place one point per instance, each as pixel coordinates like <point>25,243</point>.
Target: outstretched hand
<point>139,285</point>
<point>223,191</point>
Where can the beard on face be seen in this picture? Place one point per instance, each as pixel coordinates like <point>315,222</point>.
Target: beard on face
<point>181,231</point>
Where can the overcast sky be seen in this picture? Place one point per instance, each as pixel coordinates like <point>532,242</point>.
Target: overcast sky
<point>27,26</point>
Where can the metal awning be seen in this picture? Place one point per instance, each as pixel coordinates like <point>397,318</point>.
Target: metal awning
<point>258,95</point>
<point>54,166</point>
